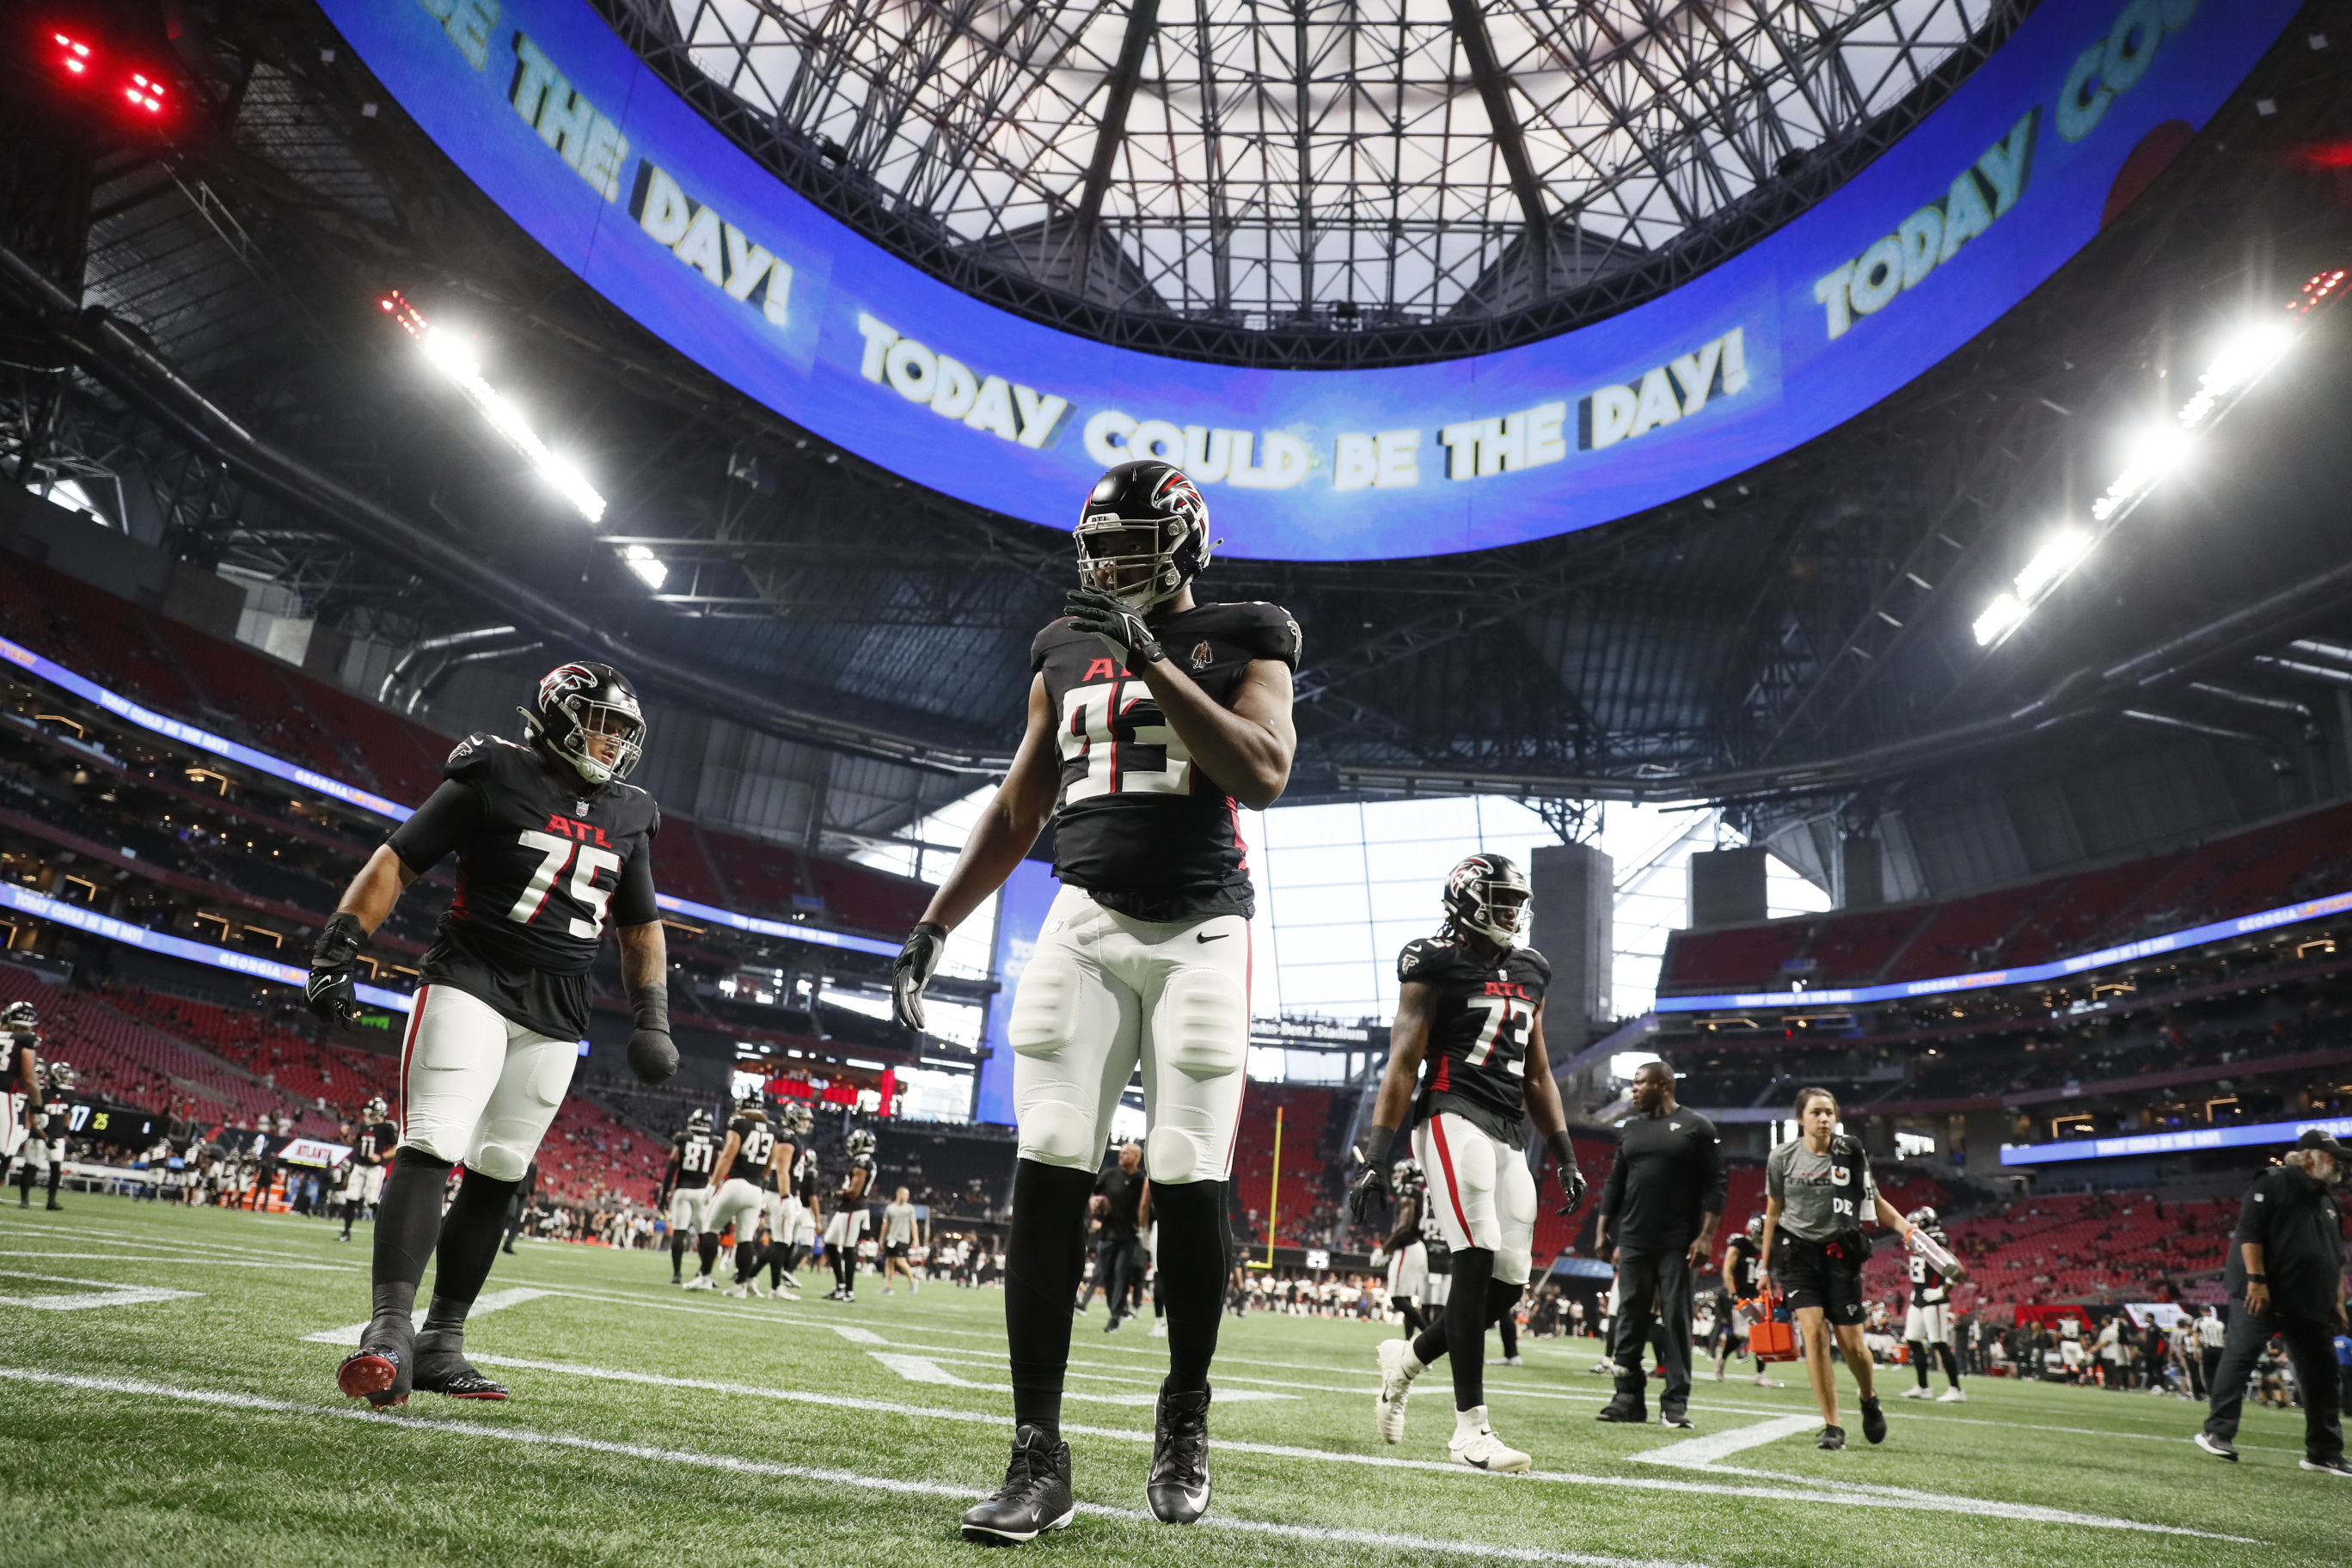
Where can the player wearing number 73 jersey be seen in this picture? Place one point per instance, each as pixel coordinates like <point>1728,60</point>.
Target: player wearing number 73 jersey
<point>551,845</point>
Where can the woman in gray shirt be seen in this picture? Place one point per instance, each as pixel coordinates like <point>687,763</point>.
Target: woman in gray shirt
<point>1817,1192</point>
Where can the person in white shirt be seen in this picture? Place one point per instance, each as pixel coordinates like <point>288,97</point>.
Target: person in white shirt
<point>902,1232</point>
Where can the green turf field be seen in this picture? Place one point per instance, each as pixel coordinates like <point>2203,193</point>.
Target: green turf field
<point>184,1416</point>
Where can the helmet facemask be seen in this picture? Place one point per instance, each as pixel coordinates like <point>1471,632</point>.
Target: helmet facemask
<point>580,706</point>
<point>1488,896</point>
<point>1143,534</point>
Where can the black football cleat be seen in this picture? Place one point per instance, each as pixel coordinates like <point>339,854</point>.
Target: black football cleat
<point>382,1370</point>
<point>1830,1437</point>
<point>1873,1422</point>
<point>1633,1410</point>
<point>1035,1498</point>
<point>1178,1486</point>
<point>2219,1447</point>
<point>449,1373</point>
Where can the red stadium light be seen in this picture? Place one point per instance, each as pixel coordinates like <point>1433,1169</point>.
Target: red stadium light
<point>143,92</point>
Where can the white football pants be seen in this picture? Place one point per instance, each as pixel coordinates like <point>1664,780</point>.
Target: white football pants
<point>685,1206</point>
<point>477,1089</point>
<point>739,1203</point>
<point>1481,1191</point>
<point>1104,991</point>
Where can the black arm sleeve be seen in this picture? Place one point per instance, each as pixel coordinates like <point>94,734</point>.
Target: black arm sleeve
<point>632,901</point>
<point>450,815</point>
<point>1612,1190</point>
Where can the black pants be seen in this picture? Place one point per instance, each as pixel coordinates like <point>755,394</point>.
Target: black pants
<point>1653,1293</point>
<point>2208,1361</point>
<point>1121,1263</point>
<point>2311,1346</point>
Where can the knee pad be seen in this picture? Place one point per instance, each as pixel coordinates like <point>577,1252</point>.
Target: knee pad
<point>501,1162</point>
<point>1055,1132</point>
<point>1044,1006</point>
<point>1171,1155</point>
<point>1206,1024</point>
<point>1513,1266</point>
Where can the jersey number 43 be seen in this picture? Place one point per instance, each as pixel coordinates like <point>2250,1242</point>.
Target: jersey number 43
<point>585,860</point>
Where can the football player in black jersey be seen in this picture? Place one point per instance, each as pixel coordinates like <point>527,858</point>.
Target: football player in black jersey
<point>746,1174</point>
<point>1737,1309</point>
<point>1470,1009</point>
<point>551,845</point>
<point>686,1192</point>
<point>1153,720</point>
<point>844,1231</point>
<point>373,1143</point>
<point>1408,1253</point>
<point>20,1089</point>
<point>794,1162</point>
<point>1928,1320</point>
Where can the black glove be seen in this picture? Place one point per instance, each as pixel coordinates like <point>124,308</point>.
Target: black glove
<point>913,968</point>
<point>1571,1179</point>
<point>1368,1191</point>
<point>1094,610</point>
<point>334,969</point>
<point>652,1054</point>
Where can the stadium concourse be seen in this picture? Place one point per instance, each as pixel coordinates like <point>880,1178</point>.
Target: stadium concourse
<point>1416,782</point>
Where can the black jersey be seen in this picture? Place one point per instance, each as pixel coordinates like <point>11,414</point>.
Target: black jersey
<point>543,861</point>
<point>1739,1259</point>
<point>1477,1062</point>
<point>756,1139</point>
<point>1137,826</point>
<point>376,1141</point>
<point>693,1155</point>
<point>804,1178</point>
<point>861,1162</point>
<point>1928,1286</point>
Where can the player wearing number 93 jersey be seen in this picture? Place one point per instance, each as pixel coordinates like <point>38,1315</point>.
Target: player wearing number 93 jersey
<point>551,845</point>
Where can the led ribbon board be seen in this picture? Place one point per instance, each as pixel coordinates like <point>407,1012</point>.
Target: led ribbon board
<point>187,734</point>
<point>2024,974</point>
<point>2180,1143</point>
<point>560,124</point>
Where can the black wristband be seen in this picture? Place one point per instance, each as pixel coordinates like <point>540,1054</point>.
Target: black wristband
<point>1562,1147</point>
<point>340,942</point>
<point>650,1005</point>
<point>1375,1146</point>
<point>2258,1279</point>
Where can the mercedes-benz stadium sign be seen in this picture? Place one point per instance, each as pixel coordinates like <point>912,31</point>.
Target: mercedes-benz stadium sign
<point>625,182</point>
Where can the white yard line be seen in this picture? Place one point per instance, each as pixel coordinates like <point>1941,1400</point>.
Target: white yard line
<point>108,1294</point>
<point>1800,1489</point>
<point>190,1261</point>
<point>1699,1453</point>
<point>732,1464</point>
<point>496,1301</point>
<point>923,1369</point>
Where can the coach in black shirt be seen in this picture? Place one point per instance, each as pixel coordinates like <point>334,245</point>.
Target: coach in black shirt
<point>1660,1210</point>
<point>2285,1276</point>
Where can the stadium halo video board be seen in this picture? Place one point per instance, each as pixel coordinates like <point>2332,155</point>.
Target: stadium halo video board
<point>555,117</point>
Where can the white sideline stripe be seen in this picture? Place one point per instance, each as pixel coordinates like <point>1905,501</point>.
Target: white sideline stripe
<point>1696,1453</point>
<point>192,1260</point>
<point>859,1336</point>
<point>496,1301</point>
<point>220,1399</point>
<point>1822,1492</point>
<point>108,1294</point>
<point>923,1369</point>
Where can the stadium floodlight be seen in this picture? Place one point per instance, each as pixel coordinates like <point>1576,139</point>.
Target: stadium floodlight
<point>2239,362</point>
<point>646,564</point>
<point>449,354</point>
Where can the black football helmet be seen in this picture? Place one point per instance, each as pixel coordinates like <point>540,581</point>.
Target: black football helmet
<point>1488,894</point>
<point>376,1110</point>
<point>1143,533</point>
<point>861,1144</point>
<point>1407,1180</point>
<point>18,1018</point>
<point>1922,1216</point>
<point>698,1121</point>
<point>751,1099</point>
<point>796,1119</point>
<point>577,700</point>
<point>61,1077</point>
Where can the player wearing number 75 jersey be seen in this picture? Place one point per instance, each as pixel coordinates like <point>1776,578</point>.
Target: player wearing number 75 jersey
<point>551,845</point>
<point>1151,718</point>
<point>1466,1054</point>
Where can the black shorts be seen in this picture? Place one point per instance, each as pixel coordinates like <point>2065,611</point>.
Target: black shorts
<point>897,1249</point>
<point>1824,1274</point>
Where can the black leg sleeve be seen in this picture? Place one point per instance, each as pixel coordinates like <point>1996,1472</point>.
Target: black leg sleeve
<point>1919,1358</point>
<point>747,1262</point>
<point>1044,1253</point>
<point>470,1233</point>
<point>707,1250</point>
<point>1466,1316</point>
<point>1951,1366</point>
<point>407,1225</point>
<point>1196,1258</point>
<point>677,1252</point>
<point>1413,1321</point>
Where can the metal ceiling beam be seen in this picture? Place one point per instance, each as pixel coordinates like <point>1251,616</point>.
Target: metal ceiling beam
<point>1142,22</point>
<point>1503,125</point>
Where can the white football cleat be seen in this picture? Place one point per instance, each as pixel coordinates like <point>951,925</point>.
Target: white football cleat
<point>1159,1329</point>
<point>1397,1372</point>
<point>787,1289</point>
<point>1951,1396</point>
<point>1481,1449</point>
<point>702,1283</point>
<point>1919,1391</point>
<point>740,1290</point>
<point>1764,1382</point>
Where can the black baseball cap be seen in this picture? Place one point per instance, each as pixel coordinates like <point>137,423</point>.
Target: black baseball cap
<point>2319,1138</point>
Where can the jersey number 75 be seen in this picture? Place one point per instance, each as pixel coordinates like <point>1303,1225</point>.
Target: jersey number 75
<point>585,860</point>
